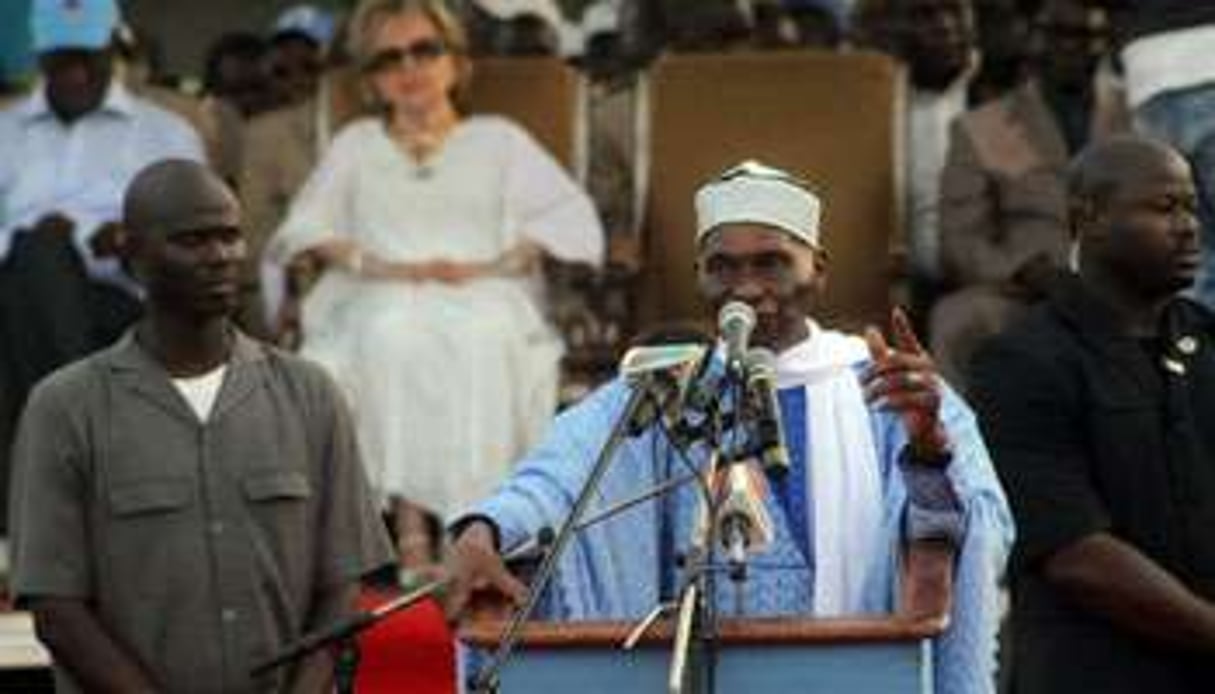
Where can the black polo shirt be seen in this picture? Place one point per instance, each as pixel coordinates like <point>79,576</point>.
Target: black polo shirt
<point>1093,430</point>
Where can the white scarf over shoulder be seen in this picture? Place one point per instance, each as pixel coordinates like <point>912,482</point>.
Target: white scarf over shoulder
<point>843,473</point>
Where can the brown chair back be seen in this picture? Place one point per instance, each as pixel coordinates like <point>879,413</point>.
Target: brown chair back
<point>833,119</point>
<point>539,93</point>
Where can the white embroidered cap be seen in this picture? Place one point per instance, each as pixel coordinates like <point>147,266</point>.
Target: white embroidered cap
<point>752,192</point>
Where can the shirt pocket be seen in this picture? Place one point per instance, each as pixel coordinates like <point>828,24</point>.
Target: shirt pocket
<point>276,486</point>
<point>149,540</point>
<point>279,507</point>
<point>1125,422</point>
<point>149,497</point>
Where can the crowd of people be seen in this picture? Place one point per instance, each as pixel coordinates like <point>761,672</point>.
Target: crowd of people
<point>265,341</point>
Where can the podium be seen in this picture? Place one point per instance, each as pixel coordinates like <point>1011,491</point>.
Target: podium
<point>889,654</point>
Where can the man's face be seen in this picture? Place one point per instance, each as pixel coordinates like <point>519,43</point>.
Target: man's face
<point>243,82</point>
<point>766,268</point>
<point>195,272</point>
<point>1147,233</point>
<point>295,68</point>
<point>1073,35</point>
<point>937,40</point>
<point>76,80</point>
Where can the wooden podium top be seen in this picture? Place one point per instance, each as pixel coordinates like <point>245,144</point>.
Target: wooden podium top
<point>772,631</point>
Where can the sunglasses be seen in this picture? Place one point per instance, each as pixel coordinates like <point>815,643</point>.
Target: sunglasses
<point>421,52</point>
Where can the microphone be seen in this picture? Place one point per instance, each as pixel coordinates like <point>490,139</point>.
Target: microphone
<point>743,523</point>
<point>678,358</point>
<point>735,321</point>
<point>764,407</point>
<point>669,371</point>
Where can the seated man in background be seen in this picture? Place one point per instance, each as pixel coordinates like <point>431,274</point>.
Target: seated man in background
<point>1003,199</point>
<point>283,145</point>
<point>885,460</point>
<point>1097,407</point>
<point>69,149</point>
<point>936,40</point>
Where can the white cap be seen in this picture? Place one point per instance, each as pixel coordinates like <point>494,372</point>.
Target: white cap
<point>509,9</point>
<point>309,20</point>
<point>600,18</point>
<point>757,194</point>
<point>65,24</point>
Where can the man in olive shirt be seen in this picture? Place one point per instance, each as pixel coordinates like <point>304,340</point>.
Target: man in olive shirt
<point>187,501</point>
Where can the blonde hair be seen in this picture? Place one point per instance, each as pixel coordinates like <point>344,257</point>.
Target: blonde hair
<point>371,14</point>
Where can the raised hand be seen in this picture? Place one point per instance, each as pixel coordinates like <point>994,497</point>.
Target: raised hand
<point>904,379</point>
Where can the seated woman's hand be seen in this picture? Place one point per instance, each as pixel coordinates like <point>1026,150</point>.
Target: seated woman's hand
<point>445,271</point>
<point>455,272</point>
<point>285,331</point>
<point>340,253</point>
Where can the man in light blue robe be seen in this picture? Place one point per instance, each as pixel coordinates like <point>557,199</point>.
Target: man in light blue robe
<point>883,456</point>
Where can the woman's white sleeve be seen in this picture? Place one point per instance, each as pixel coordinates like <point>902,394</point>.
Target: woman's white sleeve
<point>319,211</point>
<point>547,206</point>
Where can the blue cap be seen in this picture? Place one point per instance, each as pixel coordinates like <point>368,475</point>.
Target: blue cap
<point>308,20</point>
<point>87,24</point>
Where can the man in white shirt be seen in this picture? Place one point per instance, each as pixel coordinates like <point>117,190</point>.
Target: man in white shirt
<point>70,148</point>
<point>935,39</point>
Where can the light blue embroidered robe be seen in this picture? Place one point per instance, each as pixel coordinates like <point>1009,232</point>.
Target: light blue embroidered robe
<point>621,568</point>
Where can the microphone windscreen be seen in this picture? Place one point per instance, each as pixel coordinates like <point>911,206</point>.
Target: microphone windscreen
<point>735,321</point>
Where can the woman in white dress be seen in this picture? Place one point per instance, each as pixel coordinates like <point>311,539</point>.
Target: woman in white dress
<point>431,228</point>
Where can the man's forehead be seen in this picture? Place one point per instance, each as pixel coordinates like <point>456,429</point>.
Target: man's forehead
<point>1150,188</point>
<point>204,230</point>
<point>749,238</point>
<point>1152,174</point>
<point>177,194</point>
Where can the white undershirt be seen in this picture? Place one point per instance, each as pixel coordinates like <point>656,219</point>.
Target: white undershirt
<point>201,391</point>
<point>929,116</point>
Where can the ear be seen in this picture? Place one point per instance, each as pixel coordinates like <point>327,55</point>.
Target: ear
<point>1082,215</point>
<point>820,264</point>
<point>703,284</point>
<point>136,256</point>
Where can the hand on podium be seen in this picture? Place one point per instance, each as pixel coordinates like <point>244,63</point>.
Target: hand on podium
<point>479,582</point>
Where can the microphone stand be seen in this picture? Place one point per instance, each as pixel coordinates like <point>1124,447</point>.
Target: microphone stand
<point>342,633</point>
<point>693,666</point>
<point>487,679</point>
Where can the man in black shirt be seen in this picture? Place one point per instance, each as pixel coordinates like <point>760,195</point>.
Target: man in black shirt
<point>1093,408</point>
